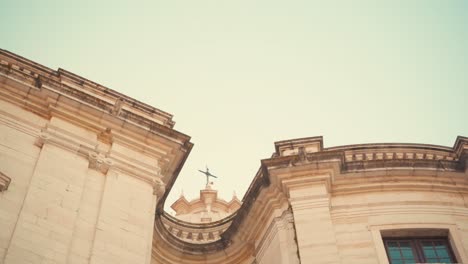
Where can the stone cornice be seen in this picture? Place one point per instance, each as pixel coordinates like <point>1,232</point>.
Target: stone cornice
<point>113,117</point>
<point>37,75</point>
<point>98,159</point>
<point>406,207</point>
<point>63,83</point>
<point>298,146</point>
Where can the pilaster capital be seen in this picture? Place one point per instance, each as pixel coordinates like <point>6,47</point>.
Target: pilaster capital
<point>298,186</point>
<point>309,196</point>
<point>43,138</point>
<point>99,161</point>
<point>54,135</point>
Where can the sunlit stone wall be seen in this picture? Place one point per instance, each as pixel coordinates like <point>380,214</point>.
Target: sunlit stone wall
<point>85,167</point>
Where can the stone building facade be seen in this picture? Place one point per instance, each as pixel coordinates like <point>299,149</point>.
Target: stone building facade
<point>85,171</point>
<point>84,165</point>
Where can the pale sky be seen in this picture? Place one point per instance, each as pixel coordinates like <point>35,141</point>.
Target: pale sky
<point>240,75</point>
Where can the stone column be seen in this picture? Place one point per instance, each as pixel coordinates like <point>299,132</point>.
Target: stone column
<point>310,204</point>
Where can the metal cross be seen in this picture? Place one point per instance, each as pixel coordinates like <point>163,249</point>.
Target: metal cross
<point>208,175</point>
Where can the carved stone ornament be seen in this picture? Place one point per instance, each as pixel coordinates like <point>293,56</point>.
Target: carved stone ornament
<point>117,106</point>
<point>43,138</point>
<point>159,187</point>
<point>4,182</point>
<point>99,162</point>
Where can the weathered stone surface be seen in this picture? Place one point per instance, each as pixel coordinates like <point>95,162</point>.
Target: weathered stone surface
<point>80,173</point>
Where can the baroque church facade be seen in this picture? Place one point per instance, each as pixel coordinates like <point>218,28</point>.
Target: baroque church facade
<point>85,172</point>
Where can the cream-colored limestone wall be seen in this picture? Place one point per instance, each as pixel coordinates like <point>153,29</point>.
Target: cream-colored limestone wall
<point>123,225</point>
<point>349,228</point>
<point>45,227</point>
<point>314,227</point>
<point>61,209</point>
<point>49,217</point>
<point>84,165</point>
<point>359,219</point>
<point>278,245</point>
<point>18,155</point>
<point>85,224</point>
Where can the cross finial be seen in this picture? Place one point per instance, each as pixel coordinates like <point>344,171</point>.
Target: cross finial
<point>208,175</point>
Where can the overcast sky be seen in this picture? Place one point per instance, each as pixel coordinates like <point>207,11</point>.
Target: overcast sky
<point>240,75</point>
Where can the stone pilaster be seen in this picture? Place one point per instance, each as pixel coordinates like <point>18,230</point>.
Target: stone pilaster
<point>278,245</point>
<point>314,229</point>
<point>47,219</point>
<point>125,220</point>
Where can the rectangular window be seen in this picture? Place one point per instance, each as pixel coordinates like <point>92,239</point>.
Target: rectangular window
<point>419,250</point>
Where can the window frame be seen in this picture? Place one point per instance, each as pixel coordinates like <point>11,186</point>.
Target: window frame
<point>417,248</point>
<point>413,228</point>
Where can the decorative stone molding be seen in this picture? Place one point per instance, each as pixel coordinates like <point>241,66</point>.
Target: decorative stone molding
<point>195,233</point>
<point>159,188</point>
<point>71,85</point>
<point>4,182</point>
<point>201,237</point>
<point>99,162</point>
<point>117,107</point>
<point>42,139</point>
<point>100,154</point>
<point>204,205</point>
<point>105,136</point>
<point>400,207</point>
<point>299,146</point>
<point>61,138</point>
